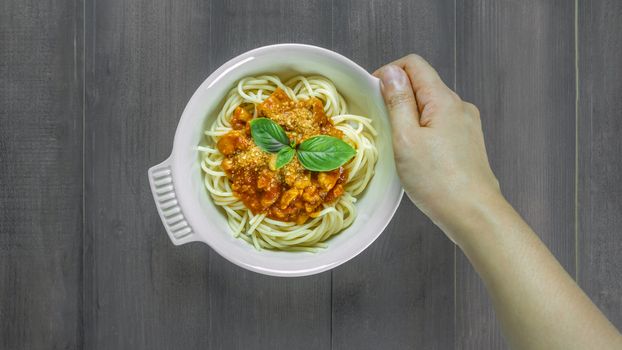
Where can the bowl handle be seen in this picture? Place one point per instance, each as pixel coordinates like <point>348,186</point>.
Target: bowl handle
<point>165,197</point>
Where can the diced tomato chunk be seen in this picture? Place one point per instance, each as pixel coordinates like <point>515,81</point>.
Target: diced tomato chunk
<point>328,179</point>
<point>240,118</point>
<point>231,142</point>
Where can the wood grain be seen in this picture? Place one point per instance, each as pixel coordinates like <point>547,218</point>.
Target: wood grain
<point>143,61</point>
<point>398,294</point>
<point>109,278</point>
<point>600,160</point>
<point>40,174</point>
<point>515,62</point>
<point>251,311</point>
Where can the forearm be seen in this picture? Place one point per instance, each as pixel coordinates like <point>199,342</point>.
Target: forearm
<point>538,303</point>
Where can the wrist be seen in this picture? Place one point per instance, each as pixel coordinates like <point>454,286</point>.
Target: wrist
<point>465,219</point>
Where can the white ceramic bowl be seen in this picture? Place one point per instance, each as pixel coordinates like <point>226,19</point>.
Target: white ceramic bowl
<point>185,207</point>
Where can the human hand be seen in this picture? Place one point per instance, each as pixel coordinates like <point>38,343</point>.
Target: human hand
<point>438,143</point>
<point>442,162</point>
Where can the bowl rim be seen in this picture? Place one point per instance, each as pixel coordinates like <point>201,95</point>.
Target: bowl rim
<point>216,75</point>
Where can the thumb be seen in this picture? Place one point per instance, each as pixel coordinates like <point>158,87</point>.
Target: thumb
<point>429,89</point>
<point>399,97</point>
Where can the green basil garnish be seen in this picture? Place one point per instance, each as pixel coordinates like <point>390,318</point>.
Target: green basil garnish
<point>285,155</point>
<point>268,135</point>
<point>324,153</point>
<point>318,153</point>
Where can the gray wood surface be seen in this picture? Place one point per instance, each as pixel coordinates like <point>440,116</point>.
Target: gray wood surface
<point>515,61</point>
<point>600,164</point>
<point>40,175</point>
<point>143,60</point>
<point>90,96</point>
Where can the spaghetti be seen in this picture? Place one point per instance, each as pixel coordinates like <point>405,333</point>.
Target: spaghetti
<point>261,227</point>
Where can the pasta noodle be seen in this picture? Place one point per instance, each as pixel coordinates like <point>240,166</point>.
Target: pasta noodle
<point>258,229</point>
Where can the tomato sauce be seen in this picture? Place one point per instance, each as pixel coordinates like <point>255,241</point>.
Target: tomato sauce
<point>291,193</point>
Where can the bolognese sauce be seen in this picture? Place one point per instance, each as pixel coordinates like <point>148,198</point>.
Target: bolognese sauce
<point>291,193</point>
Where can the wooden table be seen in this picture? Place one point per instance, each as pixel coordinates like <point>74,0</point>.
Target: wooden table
<point>90,95</point>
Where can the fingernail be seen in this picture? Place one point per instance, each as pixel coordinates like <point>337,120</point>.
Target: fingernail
<point>393,77</point>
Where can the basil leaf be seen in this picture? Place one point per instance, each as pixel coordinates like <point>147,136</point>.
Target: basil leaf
<point>285,155</point>
<point>324,153</point>
<point>268,135</point>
